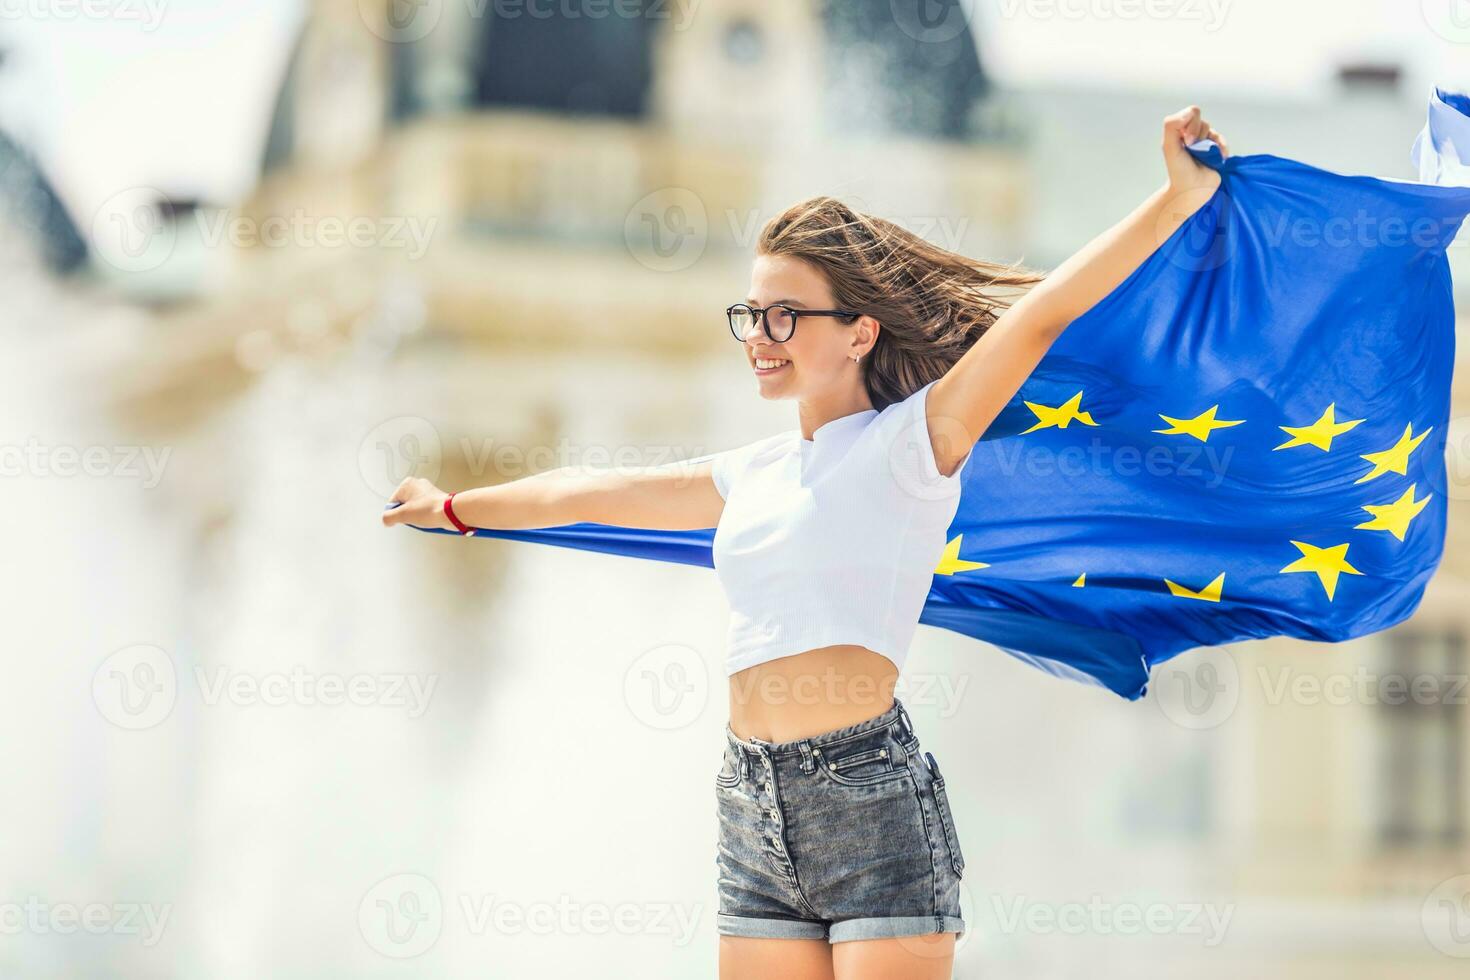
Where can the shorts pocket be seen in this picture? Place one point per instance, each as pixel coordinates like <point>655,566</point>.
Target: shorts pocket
<point>870,758</point>
<point>946,817</point>
<point>729,774</point>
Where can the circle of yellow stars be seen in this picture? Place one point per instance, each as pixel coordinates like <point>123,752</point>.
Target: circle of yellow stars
<point>1327,563</point>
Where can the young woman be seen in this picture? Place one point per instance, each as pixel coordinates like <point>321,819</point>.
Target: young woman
<point>838,854</point>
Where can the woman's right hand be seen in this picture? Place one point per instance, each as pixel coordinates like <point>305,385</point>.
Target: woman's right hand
<point>420,504</point>
<point>1185,172</point>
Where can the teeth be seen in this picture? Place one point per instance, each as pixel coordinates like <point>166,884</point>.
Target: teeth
<point>763,363</point>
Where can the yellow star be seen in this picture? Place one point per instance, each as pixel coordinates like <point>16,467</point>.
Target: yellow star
<point>951,562</point>
<point>1327,563</point>
<point>1200,426</point>
<point>1319,433</point>
<point>1210,593</point>
<point>1060,416</point>
<point>1395,517</point>
<point>1081,581</point>
<point>1396,458</point>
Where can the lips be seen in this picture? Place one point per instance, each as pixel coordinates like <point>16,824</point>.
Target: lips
<point>780,364</point>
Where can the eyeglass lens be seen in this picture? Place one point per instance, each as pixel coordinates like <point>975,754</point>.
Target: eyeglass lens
<point>780,322</point>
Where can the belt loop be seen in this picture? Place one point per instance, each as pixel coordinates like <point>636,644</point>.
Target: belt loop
<point>908,723</point>
<point>807,765</point>
<point>744,765</point>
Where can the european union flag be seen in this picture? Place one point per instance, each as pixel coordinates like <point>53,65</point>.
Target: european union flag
<point>1244,439</point>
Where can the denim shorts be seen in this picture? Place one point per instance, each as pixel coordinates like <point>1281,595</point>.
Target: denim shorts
<point>844,835</point>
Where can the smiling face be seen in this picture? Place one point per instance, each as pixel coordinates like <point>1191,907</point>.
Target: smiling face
<point>816,362</point>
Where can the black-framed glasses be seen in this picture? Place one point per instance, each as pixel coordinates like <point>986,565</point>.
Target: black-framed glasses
<point>779,321</point>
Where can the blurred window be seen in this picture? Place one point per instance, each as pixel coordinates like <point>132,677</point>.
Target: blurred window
<point>904,66</point>
<point>1421,711</point>
<point>568,58</point>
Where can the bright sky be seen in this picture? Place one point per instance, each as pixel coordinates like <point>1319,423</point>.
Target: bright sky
<point>1267,48</point>
<point>164,93</point>
<point>178,93</point>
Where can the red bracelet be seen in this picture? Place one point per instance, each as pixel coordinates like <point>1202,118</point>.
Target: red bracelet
<point>460,525</point>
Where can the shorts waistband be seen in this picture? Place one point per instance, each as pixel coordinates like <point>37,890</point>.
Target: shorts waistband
<point>894,716</point>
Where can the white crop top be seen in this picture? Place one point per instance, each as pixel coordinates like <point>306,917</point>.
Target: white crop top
<point>833,539</point>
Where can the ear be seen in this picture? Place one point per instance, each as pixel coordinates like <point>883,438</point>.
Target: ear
<point>866,333</point>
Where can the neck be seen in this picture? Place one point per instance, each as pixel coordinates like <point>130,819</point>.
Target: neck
<point>813,415</point>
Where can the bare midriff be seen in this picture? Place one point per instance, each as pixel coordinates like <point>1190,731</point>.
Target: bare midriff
<point>810,693</point>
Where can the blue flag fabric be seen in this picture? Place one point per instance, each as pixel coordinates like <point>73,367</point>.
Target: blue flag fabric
<point>1244,439</point>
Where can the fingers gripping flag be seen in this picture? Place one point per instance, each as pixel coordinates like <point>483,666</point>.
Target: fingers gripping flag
<point>1244,439</point>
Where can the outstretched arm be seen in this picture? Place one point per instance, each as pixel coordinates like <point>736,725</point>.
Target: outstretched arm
<point>673,497</point>
<point>974,390</point>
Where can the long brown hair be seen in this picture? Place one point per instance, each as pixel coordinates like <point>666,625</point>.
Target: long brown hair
<point>933,304</point>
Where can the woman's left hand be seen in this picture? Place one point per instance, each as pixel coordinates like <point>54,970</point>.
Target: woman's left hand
<point>1185,172</point>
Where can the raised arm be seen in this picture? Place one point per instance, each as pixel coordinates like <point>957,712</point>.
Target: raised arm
<point>974,390</point>
<point>673,497</point>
